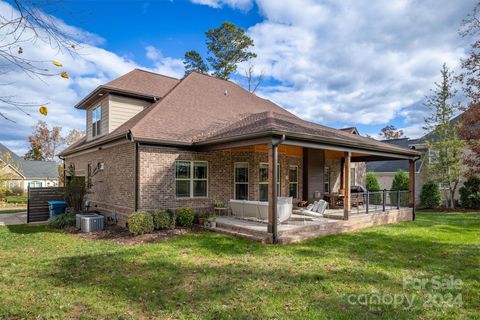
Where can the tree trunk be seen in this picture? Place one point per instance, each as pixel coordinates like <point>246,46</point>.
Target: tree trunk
<point>452,200</point>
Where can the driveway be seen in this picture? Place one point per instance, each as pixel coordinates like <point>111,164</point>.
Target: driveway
<point>7,219</point>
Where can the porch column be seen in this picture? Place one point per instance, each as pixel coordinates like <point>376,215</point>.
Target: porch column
<point>411,194</point>
<point>346,185</point>
<point>272,190</point>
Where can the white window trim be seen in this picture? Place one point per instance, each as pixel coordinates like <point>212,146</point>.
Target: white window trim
<point>191,179</point>
<point>290,182</point>
<point>97,124</point>
<point>235,183</point>
<point>279,184</point>
<point>326,182</point>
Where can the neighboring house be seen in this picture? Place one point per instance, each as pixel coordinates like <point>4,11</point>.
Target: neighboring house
<point>385,170</point>
<point>27,173</point>
<point>157,142</point>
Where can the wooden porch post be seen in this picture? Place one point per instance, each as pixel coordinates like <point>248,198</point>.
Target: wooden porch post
<point>272,190</point>
<point>411,194</point>
<point>346,185</point>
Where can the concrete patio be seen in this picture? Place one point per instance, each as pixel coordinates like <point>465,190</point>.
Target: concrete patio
<point>299,227</point>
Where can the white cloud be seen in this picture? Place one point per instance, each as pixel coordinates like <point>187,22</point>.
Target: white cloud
<point>165,65</point>
<point>236,4</point>
<point>90,67</point>
<point>356,62</point>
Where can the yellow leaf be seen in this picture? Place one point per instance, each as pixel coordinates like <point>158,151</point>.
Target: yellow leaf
<point>43,110</point>
<point>58,64</point>
<point>64,75</point>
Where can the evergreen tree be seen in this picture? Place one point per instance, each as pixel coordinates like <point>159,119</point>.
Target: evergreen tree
<point>194,62</point>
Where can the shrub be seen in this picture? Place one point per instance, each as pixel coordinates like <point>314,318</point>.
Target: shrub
<point>140,222</point>
<point>185,217</point>
<point>75,189</point>
<point>401,182</point>
<point>430,196</point>
<point>470,193</point>
<point>219,204</point>
<point>372,185</point>
<point>15,191</point>
<point>163,219</point>
<point>17,199</point>
<point>62,221</point>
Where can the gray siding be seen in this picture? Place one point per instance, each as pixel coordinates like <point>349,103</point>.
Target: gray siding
<point>314,163</point>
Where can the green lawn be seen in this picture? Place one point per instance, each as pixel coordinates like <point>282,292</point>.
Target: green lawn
<point>206,275</point>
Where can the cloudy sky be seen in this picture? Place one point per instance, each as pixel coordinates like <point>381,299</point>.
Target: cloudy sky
<point>339,63</point>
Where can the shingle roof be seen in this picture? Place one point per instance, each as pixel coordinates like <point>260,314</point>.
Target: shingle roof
<point>143,82</point>
<point>394,165</point>
<point>31,169</point>
<point>201,108</point>
<point>39,169</point>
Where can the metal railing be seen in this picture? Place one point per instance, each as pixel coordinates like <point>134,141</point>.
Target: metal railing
<point>379,200</point>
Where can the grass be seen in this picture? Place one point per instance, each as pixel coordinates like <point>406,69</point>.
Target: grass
<point>49,274</point>
<point>17,199</point>
<point>10,210</point>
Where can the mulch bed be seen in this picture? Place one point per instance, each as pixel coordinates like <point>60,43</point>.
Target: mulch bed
<point>122,236</point>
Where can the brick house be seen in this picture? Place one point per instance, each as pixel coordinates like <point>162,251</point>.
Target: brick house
<point>385,170</point>
<point>158,142</point>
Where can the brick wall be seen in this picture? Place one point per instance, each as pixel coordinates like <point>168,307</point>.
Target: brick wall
<point>157,176</point>
<point>113,187</point>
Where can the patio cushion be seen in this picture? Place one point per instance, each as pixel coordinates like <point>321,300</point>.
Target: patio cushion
<point>315,206</point>
<point>322,206</point>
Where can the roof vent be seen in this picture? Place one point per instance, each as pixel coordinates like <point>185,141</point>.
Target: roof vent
<point>226,92</point>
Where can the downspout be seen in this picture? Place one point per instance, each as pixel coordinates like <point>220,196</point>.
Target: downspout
<point>413,186</point>
<point>135,170</point>
<point>274,191</point>
<point>64,172</point>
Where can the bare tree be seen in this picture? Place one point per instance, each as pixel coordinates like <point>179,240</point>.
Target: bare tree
<point>253,82</point>
<point>29,23</point>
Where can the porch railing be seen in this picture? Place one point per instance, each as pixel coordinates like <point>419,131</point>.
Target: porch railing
<point>379,200</point>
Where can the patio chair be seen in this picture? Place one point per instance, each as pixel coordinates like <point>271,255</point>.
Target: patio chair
<point>316,210</point>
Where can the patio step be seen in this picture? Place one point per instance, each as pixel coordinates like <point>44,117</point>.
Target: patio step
<point>249,236</point>
<point>237,227</point>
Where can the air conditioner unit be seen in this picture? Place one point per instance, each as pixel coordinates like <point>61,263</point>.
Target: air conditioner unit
<point>78,218</point>
<point>91,224</point>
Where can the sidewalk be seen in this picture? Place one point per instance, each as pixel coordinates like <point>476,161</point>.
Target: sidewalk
<point>13,218</point>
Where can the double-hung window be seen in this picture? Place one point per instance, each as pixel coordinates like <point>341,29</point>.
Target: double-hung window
<point>97,121</point>
<point>326,180</point>
<point>241,180</point>
<point>352,176</point>
<point>293,181</point>
<point>263,181</point>
<point>191,179</point>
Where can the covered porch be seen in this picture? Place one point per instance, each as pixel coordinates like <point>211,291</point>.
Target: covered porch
<point>315,152</point>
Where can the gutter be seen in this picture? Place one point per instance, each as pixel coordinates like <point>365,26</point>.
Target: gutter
<point>333,142</point>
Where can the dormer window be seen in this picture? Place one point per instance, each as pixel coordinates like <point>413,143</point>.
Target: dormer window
<point>96,121</point>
